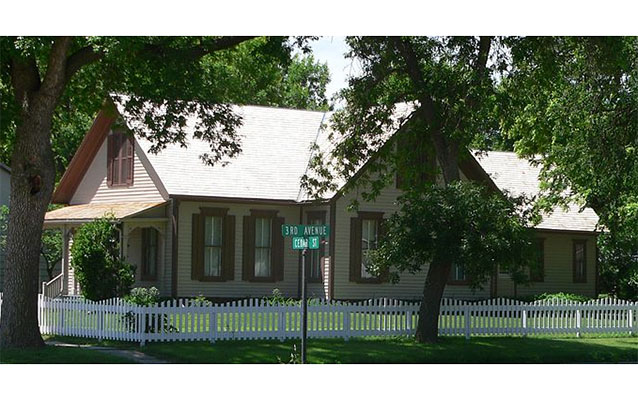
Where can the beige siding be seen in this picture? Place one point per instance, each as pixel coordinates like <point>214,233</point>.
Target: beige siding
<point>237,287</point>
<point>558,269</point>
<point>94,189</point>
<point>410,285</point>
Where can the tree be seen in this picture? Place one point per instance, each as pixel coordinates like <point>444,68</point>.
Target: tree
<point>39,72</point>
<point>473,226</point>
<point>575,101</point>
<point>450,91</point>
<point>95,257</point>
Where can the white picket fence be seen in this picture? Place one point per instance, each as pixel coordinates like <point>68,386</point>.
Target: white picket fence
<point>187,319</point>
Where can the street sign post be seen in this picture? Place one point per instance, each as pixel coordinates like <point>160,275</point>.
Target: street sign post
<point>304,238</point>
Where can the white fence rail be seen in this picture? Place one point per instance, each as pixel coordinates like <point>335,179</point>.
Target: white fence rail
<point>187,320</point>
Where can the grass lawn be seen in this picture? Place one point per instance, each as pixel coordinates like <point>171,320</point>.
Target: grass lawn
<point>58,355</point>
<point>401,350</point>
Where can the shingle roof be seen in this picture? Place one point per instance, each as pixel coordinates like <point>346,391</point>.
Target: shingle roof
<point>518,176</point>
<point>97,210</point>
<point>276,149</point>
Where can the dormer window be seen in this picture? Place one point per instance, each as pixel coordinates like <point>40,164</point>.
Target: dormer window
<point>120,159</point>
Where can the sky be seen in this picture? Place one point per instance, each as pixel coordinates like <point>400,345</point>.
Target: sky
<point>331,50</point>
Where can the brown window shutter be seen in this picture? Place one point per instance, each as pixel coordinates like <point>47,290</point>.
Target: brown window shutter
<point>248,254</point>
<point>277,252</point>
<point>110,154</point>
<point>355,249</point>
<point>197,248</point>
<point>130,160</point>
<point>228,248</point>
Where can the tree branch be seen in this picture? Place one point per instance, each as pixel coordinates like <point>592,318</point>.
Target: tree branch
<point>54,79</point>
<point>84,56</point>
<point>195,52</point>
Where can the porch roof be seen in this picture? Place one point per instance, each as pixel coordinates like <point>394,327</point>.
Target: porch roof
<point>87,212</point>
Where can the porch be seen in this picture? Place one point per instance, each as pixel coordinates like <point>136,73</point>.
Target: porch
<point>143,233</point>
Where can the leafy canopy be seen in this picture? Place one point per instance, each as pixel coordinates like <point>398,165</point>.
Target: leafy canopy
<point>167,70</point>
<point>575,101</point>
<point>462,223</point>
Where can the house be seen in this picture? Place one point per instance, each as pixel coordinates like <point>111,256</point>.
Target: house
<point>194,229</point>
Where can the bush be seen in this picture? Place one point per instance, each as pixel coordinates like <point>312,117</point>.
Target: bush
<point>143,296</point>
<point>101,272</point>
<point>562,296</point>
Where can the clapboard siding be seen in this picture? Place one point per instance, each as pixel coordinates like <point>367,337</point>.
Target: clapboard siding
<point>410,286</point>
<point>237,287</point>
<point>94,189</point>
<point>558,269</point>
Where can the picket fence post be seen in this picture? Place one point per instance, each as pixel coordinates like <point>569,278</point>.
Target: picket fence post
<point>630,320</point>
<point>578,323</point>
<point>212,323</point>
<point>524,321</point>
<point>346,323</point>
<point>466,312</point>
<point>141,324</point>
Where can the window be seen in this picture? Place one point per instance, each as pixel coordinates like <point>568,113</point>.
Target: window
<point>369,241</point>
<point>213,245</point>
<point>315,257</point>
<point>120,163</point>
<point>457,274</point>
<point>149,253</point>
<point>365,232</point>
<point>537,270</point>
<point>263,247</point>
<point>263,231</point>
<point>580,261</point>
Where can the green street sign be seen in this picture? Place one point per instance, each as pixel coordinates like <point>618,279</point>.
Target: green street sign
<point>301,242</point>
<point>305,230</point>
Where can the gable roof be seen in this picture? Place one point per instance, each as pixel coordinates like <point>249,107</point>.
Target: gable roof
<point>276,150</point>
<point>518,176</point>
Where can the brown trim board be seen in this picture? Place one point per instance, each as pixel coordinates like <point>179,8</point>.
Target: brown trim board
<point>83,157</point>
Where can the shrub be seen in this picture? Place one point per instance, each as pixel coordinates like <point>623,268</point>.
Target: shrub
<point>562,296</point>
<point>101,272</point>
<point>143,296</point>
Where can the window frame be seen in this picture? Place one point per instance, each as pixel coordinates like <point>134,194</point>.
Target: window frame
<point>457,282</point>
<point>221,245</point>
<point>227,260</point>
<point>576,277</point>
<point>277,252</point>
<point>126,143</point>
<point>356,252</point>
<point>316,215</point>
<point>146,276</point>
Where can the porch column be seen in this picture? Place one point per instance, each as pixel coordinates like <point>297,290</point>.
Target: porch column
<point>65,260</point>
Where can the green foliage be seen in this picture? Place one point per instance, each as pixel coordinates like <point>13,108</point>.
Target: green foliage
<point>575,101</point>
<point>259,71</point>
<point>202,300</point>
<point>295,357</point>
<point>143,296</point>
<point>562,296</point>
<point>462,223</point>
<point>99,269</point>
<point>4,221</point>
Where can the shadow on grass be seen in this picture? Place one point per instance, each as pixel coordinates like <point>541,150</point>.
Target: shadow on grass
<point>402,350</point>
<point>58,355</point>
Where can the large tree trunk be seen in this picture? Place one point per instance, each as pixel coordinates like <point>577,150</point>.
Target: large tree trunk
<point>32,181</point>
<point>427,329</point>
